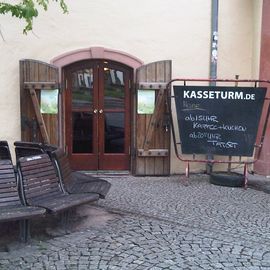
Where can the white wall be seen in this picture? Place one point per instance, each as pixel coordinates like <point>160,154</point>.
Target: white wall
<point>239,32</point>
<point>257,23</point>
<point>151,30</point>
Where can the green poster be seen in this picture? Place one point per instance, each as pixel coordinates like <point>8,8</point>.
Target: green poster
<point>49,101</point>
<point>146,101</point>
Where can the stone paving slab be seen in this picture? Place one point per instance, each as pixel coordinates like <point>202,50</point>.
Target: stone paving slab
<point>259,182</point>
<point>199,204</point>
<point>159,223</point>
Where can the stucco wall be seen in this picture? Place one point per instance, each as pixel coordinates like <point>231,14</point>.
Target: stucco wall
<point>257,28</point>
<point>235,38</point>
<point>151,30</point>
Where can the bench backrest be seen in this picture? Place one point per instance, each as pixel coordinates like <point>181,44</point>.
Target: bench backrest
<point>4,150</point>
<point>63,165</point>
<point>39,179</point>
<point>25,149</point>
<point>8,189</point>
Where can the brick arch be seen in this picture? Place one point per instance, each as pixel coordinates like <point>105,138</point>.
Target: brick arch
<point>96,53</point>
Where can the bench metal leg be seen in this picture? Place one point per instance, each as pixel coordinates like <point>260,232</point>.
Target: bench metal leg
<point>65,217</point>
<point>24,230</point>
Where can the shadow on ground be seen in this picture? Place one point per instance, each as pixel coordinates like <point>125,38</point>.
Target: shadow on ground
<point>79,219</point>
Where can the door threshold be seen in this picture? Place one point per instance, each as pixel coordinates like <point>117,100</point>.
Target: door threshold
<point>107,172</point>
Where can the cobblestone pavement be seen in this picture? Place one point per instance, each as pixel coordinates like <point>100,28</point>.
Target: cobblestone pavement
<point>159,223</point>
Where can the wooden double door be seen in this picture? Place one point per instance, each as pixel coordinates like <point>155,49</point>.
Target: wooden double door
<point>97,120</point>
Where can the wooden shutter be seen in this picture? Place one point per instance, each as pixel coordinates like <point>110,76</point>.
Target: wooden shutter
<point>152,130</point>
<point>34,77</point>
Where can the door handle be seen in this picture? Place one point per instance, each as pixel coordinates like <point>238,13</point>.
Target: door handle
<point>100,111</point>
<point>95,111</point>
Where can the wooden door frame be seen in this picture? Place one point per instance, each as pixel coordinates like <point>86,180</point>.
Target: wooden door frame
<point>97,65</point>
<point>95,53</point>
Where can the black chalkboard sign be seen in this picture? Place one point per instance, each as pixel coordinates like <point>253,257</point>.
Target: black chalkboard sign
<point>218,120</point>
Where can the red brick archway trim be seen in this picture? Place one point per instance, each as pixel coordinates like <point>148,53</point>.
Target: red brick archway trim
<point>96,53</point>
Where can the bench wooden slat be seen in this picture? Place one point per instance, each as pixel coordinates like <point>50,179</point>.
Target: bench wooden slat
<point>5,193</point>
<point>65,202</point>
<point>8,193</point>
<point>40,174</point>
<point>8,188</point>
<point>8,182</point>
<point>7,170</point>
<point>6,176</point>
<point>35,164</point>
<point>8,185</point>
<point>6,165</point>
<point>39,190</point>
<point>9,198</point>
<point>19,212</point>
<point>33,199</point>
<point>41,177</point>
<point>32,182</point>
<point>7,205</point>
<point>43,197</point>
<point>11,208</point>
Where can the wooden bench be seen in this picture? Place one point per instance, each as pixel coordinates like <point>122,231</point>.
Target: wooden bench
<point>41,186</point>
<point>11,208</point>
<point>73,182</point>
<point>77,182</point>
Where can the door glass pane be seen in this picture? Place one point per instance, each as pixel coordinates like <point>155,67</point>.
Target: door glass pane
<point>114,89</point>
<point>82,132</point>
<point>114,133</point>
<point>82,89</point>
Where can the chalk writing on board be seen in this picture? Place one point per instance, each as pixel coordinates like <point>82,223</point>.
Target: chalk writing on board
<point>224,144</point>
<point>190,106</point>
<point>196,125</point>
<point>218,120</point>
<point>214,139</point>
<point>204,135</point>
<point>205,118</point>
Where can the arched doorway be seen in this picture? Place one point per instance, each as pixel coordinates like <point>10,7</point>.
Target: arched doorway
<point>90,132</point>
<point>97,114</point>
<point>107,129</point>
